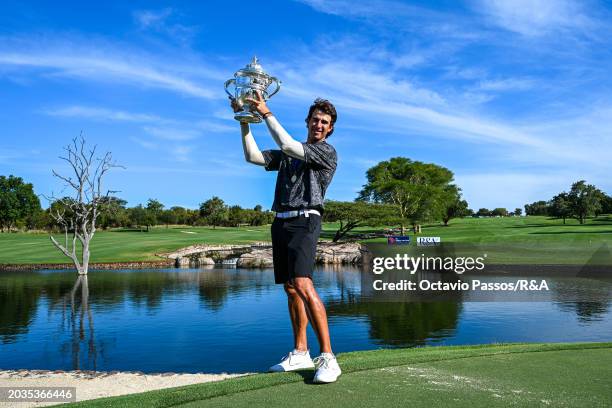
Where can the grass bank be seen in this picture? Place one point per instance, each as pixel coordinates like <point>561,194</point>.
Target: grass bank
<point>125,245</point>
<point>559,374</point>
<point>507,240</point>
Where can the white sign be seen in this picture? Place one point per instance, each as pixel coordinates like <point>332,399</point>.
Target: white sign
<point>428,241</point>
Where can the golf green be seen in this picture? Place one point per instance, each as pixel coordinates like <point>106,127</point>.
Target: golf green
<point>475,376</point>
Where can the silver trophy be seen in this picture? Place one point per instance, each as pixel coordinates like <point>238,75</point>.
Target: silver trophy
<point>246,82</point>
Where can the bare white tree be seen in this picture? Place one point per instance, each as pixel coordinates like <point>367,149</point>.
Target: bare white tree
<point>77,215</point>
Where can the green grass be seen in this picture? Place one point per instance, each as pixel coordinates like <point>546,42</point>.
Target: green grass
<point>527,240</point>
<point>560,374</point>
<point>124,245</point>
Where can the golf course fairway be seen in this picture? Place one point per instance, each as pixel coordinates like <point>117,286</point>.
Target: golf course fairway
<point>497,375</point>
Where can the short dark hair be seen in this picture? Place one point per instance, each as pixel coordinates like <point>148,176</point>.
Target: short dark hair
<point>326,107</point>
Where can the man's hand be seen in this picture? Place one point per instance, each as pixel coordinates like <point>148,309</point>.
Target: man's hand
<point>259,103</point>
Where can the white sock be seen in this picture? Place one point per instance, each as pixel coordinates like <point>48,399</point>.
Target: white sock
<point>328,355</point>
<point>300,352</point>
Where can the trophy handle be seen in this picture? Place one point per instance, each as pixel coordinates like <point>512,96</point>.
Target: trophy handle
<point>277,82</point>
<point>227,83</point>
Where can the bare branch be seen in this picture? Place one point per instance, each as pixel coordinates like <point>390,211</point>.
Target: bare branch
<point>78,215</point>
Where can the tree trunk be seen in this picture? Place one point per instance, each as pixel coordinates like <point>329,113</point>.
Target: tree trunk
<point>85,264</point>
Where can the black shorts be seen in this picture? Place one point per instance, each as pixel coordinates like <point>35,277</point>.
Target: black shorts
<point>294,246</point>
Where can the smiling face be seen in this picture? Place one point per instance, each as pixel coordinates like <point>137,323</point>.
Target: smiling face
<point>319,126</point>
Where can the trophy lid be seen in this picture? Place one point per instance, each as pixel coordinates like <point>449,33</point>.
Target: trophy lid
<point>253,67</point>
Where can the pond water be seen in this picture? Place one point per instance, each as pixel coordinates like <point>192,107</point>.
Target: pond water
<point>235,320</point>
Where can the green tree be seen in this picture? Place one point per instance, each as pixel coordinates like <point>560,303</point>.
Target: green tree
<point>181,215</point>
<point>350,215</point>
<point>499,212</point>
<point>155,208</point>
<point>416,189</point>
<point>537,208</point>
<point>602,198</point>
<point>113,212</point>
<point>236,215</point>
<point>193,216</point>
<point>584,200</point>
<point>214,211</point>
<point>454,206</point>
<point>606,205</point>
<point>518,212</point>
<point>483,212</point>
<point>168,217</point>
<point>560,206</point>
<point>18,203</point>
<point>139,216</point>
<point>258,217</point>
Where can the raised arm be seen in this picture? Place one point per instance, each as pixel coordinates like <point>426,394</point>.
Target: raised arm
<point>252,154</point>
<point>287,144</point>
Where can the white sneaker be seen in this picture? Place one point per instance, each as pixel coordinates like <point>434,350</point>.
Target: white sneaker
<point>295,360</point>
<point>328,369</point>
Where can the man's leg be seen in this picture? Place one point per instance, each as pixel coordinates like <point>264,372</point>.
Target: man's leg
<point>315,310</point>
<point>299,358</point>
<point>299,318</point>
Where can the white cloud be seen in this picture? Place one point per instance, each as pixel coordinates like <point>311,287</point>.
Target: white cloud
<point>371,10</point>
<point>99,61</point>
<point>169,128</point>
<point>402,17</point>
<point>507,84</point>
<point>176,134</point>
<point>181,153</point>
<point>221,168</point>
<point>147,144</point>
<point>159,21</point>
<point>102,114</point>
<point>469,73</point>
<point>364,83</point>
<point>212,127</point>
<point>373,93</point>
<point>148,18</point>
<point>535,17</point>
<point>169,134</point>
<point>8,155</point>
<point>386,103</point>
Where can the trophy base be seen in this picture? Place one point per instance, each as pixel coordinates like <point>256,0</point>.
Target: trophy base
<point>247,117</point>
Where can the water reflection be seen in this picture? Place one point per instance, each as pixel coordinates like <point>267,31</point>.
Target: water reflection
<point>195,319</point>
<point>82,340</point>
<point>17,306</point>
<point>402,324</point>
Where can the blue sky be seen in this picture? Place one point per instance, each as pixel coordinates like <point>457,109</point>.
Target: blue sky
<point>513,96</point>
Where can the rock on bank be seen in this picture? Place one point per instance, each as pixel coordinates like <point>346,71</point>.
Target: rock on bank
<point>259,255</point>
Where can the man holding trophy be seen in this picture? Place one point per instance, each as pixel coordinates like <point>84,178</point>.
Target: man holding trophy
<point>305,170</point>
